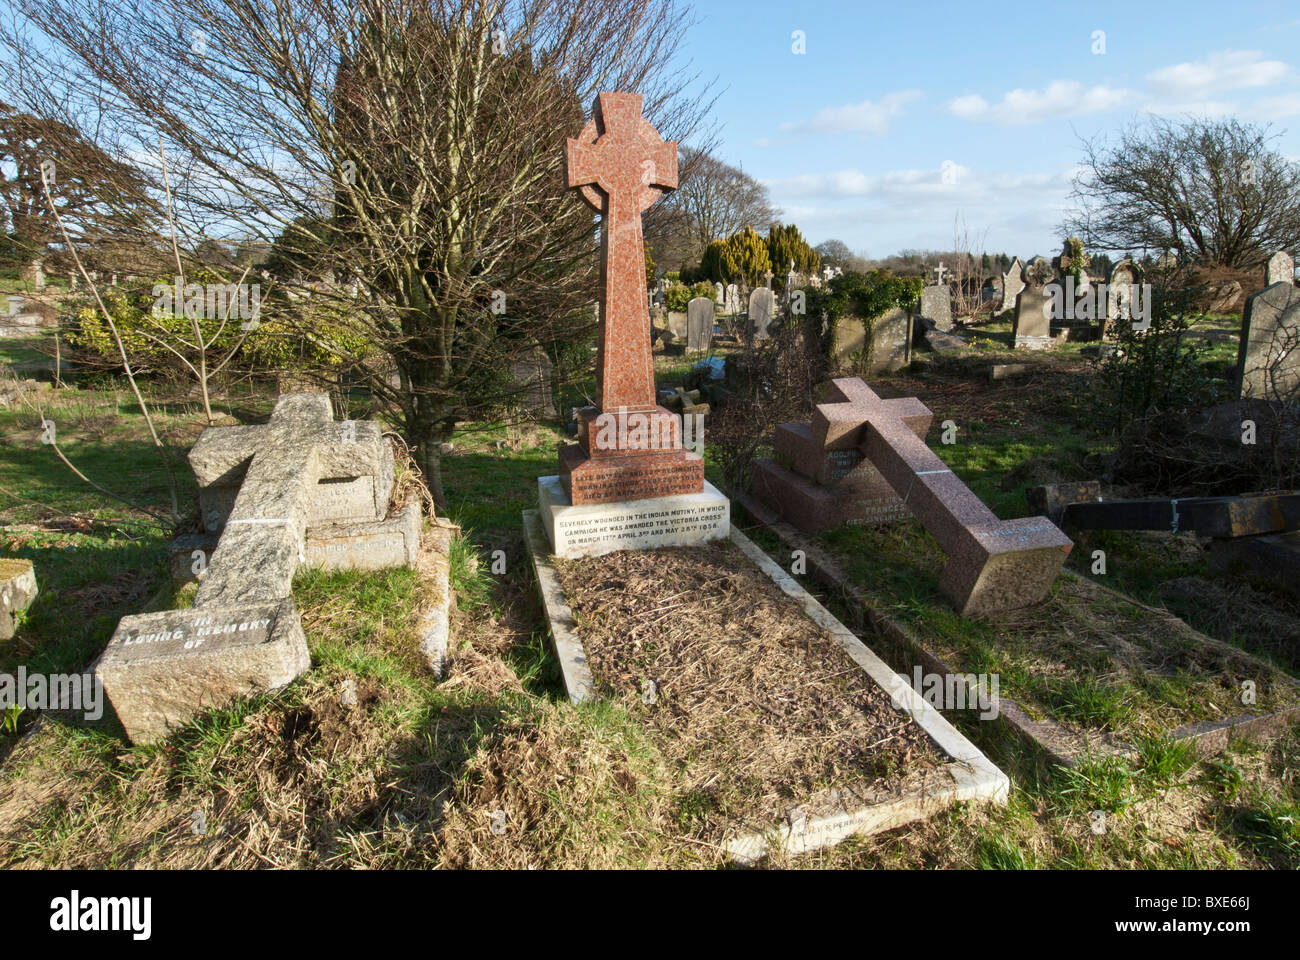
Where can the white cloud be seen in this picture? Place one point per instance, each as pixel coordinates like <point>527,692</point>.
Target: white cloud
<point>870,117</point>
<point>1216,74</point>
<point>896,209</point>
<point>1060,98</point>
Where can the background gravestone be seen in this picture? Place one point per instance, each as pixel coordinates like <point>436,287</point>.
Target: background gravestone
<point>1268,361</point>
<point>1119,294</point>
<point>533,373</point>
<point>761,307</point>
<point>890,342</point>
<point>1033,324</point>
<point>1013,284</point>
<point>936,306</point>
<point>1280,269</point>
<point>677,324</point>
<point>699,326</point>
<point>719,294</point>
<point>731,302</point>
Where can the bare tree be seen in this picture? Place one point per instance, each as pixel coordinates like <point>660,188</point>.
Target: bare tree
<point>713,201</point>
<point>92,187</point>
<point>1211,190</point>
<point>411,150</point>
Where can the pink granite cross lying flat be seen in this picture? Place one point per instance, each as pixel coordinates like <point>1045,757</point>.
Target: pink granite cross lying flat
<point>992,564</point>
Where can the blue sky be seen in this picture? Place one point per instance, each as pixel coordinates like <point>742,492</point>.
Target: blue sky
<point>902,116</point>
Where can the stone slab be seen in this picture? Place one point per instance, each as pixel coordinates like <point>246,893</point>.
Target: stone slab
<point>17,592</point>
<point>593,529</point>
<point>160,669</point>
<point>376,545</point>
<point>575,671</point>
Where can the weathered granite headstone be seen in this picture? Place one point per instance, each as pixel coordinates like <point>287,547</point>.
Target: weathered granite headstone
<point>936,306</point>
<point>699,327</point>
<point>719,294</point>
<point>17,591</point>
<point>628,483</point>
<point>533,373</point>
<point>761,307</point>
<point>1280,269</point>
<point>678,324</point>
<point>1013,283</point>
<point>1268,358</point>
<point>243,634</point>
<point>992,564</point>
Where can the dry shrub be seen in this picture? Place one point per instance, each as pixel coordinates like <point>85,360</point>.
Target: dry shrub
<point>1201,453</point>
<point>774,381</point>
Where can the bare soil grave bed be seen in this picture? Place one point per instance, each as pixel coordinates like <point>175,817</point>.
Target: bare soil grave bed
<point>1087,670</point>
<point>780,728</point>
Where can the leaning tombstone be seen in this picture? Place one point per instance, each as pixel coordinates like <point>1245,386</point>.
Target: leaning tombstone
<point>1268,357</point>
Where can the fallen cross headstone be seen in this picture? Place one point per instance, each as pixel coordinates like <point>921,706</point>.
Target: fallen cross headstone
<point>243,634</point>
<point>992,564</point>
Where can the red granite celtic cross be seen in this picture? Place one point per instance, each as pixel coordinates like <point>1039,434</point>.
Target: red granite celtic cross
<point>622,167</point>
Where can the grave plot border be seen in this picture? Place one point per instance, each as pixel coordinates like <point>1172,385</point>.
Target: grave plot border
<point>1060,745</point>
<point>975,777</point>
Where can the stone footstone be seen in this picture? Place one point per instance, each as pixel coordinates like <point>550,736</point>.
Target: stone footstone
<point>17,592</point>
<point>992,564</point>
<point>594,529</point>
<point>160,668</point>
